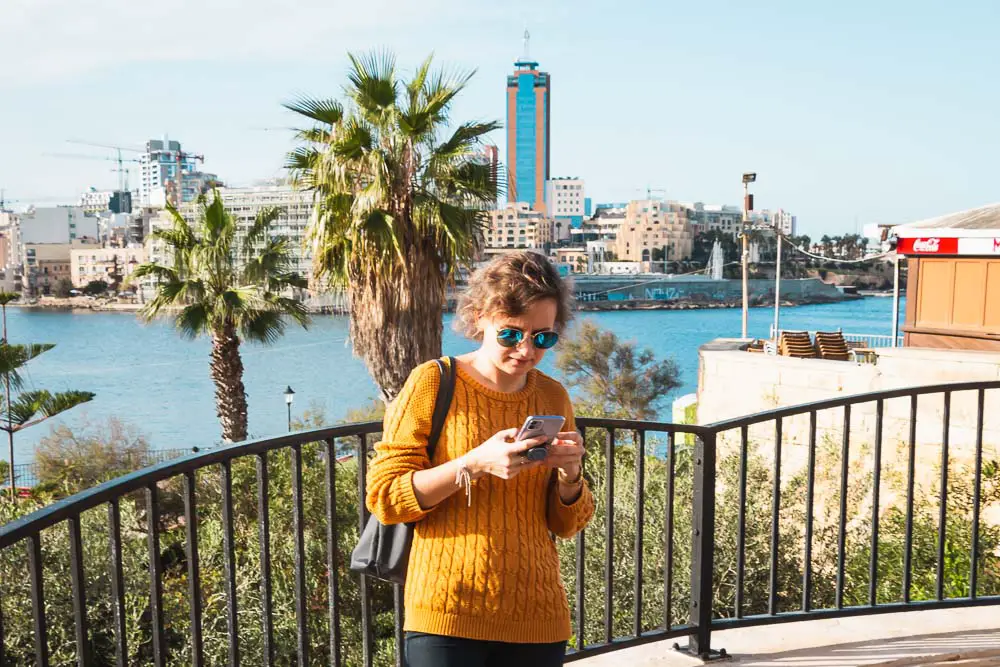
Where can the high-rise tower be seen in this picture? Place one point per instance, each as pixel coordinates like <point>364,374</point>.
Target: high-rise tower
<point>528,99</point>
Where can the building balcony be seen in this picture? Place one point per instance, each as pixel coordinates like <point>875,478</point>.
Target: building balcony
<point>705,535</point>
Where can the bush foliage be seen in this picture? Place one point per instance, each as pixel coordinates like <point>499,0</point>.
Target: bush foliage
<point>658,459</point>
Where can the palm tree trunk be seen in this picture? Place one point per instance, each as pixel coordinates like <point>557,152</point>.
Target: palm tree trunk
<point>396,319</point>
<point>10,428</point>
<point>230,394</point>
<point>10,450</point>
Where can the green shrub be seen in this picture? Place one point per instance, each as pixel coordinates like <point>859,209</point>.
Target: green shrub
<point>69,461</point>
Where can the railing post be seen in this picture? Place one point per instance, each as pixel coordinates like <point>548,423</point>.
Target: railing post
<point>702,545</point>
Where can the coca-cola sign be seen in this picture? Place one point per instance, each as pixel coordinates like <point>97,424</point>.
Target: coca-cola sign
<point>932,245</point>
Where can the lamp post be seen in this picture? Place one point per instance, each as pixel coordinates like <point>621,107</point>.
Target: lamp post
<point>289,398</point>
<point>777,283</point>
<point>748,178</point>
<point>895,298</point>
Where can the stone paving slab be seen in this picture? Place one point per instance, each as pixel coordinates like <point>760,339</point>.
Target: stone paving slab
<point>847,642</point>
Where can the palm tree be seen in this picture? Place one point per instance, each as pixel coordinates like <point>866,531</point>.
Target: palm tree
<point>6,298</point>
<point>30,407</point>
<point>230,284</point>
<point>400,203</point>
<point>826,242</point>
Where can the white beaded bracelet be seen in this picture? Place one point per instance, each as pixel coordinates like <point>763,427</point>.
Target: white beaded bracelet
<point>463,478</point>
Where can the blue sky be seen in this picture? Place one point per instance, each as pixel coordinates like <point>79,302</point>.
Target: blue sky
<point>850,112</point>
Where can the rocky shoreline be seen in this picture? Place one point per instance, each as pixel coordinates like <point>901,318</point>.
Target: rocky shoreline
<point>107,305</point>
<point>79,303</point>
<point>688,304</point>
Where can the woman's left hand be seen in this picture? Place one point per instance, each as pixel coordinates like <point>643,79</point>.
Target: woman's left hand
<point>566,453</point>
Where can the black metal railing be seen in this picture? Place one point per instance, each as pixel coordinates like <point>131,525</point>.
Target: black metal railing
<point>239,553</point>
<point>29,474</point>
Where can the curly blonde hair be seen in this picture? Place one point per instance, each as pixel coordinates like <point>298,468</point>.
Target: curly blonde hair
<point>508,286</point>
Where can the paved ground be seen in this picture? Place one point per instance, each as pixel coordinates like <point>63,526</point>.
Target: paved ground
<point>915,636</point>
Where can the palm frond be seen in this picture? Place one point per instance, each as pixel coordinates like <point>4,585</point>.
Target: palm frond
<point>262,326</point>
<point>373,82</point>
<point>152,270</point>
<point>292,308</point>
<point>356,139</point>
<point>259,229</point>
<point>65,400</point>
<point>302,158</point>
<point>328,112</point>
<point>171,294</point>
<point>14,357</point>
<point>192,321</point>
<point>176,238</point>
<point>415,86</point>
<point>314,135</point>
<point>464,140</point>
<point>441,89</point>
<point>7,297</point>
<point>217,225</point>
<point>266,265</point>
<point>26,406</point>
<point>33,407</point>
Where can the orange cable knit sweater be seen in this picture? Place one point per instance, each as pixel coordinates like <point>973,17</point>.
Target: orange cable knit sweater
<point>489,571</point>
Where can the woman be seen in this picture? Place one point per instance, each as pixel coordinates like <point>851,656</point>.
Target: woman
<point>483,586</point>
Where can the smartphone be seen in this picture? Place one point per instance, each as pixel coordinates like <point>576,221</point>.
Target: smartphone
<point>535,426</point>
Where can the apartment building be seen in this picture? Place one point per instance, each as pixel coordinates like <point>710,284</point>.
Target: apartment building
<point>518,226</point>
<point>652,224</point>
<point>89,264</point>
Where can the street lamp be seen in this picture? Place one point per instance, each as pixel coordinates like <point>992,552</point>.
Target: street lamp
<point>289,398</point>
<point>748,178</point>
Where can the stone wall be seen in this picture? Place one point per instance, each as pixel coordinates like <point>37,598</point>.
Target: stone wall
<point>733,383</point>
<point>643,288</point>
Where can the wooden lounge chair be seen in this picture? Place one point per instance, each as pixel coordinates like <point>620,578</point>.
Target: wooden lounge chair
<point>832,345</point>
<point>796,344</point>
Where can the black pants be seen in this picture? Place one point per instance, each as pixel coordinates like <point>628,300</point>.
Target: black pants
<point>423,650</point>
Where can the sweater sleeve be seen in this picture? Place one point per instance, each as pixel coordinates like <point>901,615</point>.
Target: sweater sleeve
<point>568,520</point>
<point>403,449</point>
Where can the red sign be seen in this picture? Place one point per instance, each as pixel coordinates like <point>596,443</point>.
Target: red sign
<point>932,245</point>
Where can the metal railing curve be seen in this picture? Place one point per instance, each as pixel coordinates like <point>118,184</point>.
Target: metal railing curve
<point>662,573</point>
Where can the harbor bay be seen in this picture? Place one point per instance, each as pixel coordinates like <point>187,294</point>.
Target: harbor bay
<point>149,377</point>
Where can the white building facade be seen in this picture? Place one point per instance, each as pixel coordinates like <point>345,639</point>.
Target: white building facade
<point>56,224</point>
<point>566,203</point>
<point>158,168</point>
<point>296,209</point>
<point>518,226</point>
<point>95,201</point>
<point>784,221</point>
<point>716,217</point>
<point>88,264</point>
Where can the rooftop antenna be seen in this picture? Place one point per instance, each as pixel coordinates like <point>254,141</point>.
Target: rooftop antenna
<point>527,38</point>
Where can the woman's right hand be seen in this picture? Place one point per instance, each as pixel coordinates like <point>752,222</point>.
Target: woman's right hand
<point>502,456</point>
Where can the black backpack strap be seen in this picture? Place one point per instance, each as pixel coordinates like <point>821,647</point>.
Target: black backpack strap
<point>446,390</point>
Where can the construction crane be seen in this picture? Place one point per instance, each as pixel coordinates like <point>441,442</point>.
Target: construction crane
<point>651,190</point>
<point>28,200</point>
<point>121,169</point>
<point>180,158</point>
<point>122,186</point>
<point>179,176</point>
